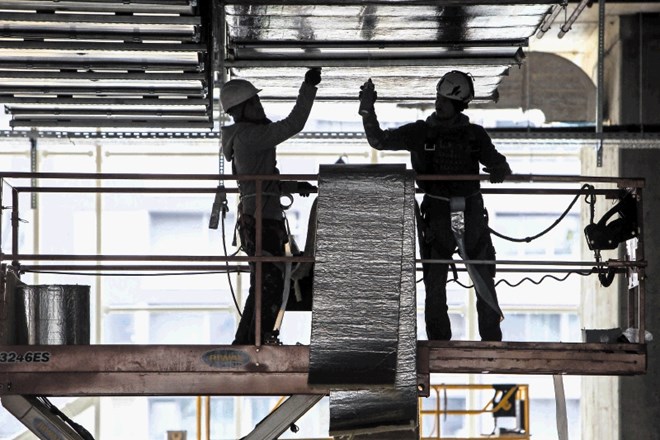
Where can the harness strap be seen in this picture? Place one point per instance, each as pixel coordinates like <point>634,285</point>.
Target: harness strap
<point>457,208</point>
<point>447,199</point>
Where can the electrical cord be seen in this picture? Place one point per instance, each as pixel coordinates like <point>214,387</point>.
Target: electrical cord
<point>537,282</point>
<point>552,226</point>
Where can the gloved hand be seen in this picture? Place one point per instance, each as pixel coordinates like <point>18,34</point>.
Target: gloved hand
<point>305,188</point>
<point>313,76</point>
<point>498,173</point>
<point>367,97</point>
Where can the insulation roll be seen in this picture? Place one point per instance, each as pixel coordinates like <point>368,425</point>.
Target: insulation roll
<point>355,312</point>
<point>364,331</point>
<point>52,315</point>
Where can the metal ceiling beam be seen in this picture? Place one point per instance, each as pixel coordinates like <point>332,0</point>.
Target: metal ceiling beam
<point>371,44</point>
<point>100,47</point>
<point>95,76</point>
<point>138,102</point>
<point>21,113</point>
<point>134,6</point>
<point>111,123</point>
<point>101,91</point>
<point>492,60</point>
<point>136,65</point>
<point>135,36</point>
<point>104,19</point>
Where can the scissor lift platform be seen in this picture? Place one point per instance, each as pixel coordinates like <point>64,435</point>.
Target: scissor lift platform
<point>276,370</point>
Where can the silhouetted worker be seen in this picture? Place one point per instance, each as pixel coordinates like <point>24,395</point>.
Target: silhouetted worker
<point>452,212</point>
<point>250,144</point>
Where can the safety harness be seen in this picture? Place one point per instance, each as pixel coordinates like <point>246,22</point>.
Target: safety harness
<point>457,217</point>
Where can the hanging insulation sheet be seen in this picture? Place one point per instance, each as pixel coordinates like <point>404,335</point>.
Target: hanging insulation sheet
<point>364,309</point>
<point>387,413</point>
<point>357,277</point>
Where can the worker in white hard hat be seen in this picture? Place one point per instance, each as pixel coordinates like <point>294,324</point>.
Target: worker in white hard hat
<point>250,145</point>
<point>452,214</point>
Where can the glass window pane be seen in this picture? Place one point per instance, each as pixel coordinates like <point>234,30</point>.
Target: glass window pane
<point>172,414</point>
<point>541,327</point>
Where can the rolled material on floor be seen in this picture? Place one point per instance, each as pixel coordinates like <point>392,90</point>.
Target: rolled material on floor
<point>52,315</point>
<point>8,307</point>
<point>364,332</point>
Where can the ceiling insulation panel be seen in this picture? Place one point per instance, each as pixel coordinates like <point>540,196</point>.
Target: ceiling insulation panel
<point>405,47</point>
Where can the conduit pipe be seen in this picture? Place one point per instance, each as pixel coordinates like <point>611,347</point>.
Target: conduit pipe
<point>549,19</point>
<point>576,13</point>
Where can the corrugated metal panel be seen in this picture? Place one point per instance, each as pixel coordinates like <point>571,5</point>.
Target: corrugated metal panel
<point>95,64</point>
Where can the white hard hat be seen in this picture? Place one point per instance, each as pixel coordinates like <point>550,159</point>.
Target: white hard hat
<point>236,91</point>
<point>456,85</point>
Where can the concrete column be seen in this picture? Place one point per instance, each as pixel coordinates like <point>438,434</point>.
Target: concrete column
<point>634,98</point>
<point>639,401</point>
<point>639,69</point>
<point>600,310</point>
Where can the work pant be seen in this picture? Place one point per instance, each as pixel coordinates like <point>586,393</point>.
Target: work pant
<point>274,237</point>
<point>438,242</point>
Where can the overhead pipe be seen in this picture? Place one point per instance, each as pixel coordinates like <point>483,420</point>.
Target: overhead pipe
<point>576,13</point>
<point>549,19</point>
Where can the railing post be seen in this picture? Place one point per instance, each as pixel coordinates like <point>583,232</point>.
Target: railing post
<point>641,282</point>
<point>258,252</point>
<point>14,227</point>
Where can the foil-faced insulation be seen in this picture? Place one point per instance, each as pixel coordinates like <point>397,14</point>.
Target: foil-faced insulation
<point>52,315</point>
<point>355,311</point>
<point>364,309</point>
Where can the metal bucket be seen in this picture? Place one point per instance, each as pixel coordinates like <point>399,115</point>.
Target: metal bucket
<point>52,315</point>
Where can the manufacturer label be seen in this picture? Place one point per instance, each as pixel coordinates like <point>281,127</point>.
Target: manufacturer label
<point>226,358</point>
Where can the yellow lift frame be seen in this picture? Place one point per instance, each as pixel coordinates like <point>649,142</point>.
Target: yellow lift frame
<point>508,399</point>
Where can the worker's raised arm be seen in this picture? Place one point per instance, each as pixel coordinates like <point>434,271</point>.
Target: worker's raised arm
<point>407,137</point>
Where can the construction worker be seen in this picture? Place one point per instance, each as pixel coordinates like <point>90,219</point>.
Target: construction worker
<point>452,213</point>
<point>250,144</point>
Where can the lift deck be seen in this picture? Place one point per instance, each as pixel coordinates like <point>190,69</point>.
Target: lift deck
<point>101,370</point>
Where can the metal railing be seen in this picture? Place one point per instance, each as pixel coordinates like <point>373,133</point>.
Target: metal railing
<point>633,267</point>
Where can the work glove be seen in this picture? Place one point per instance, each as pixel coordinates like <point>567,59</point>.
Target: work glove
<point>313,76</point>
<point>498,172</point>
<point>367,97</point>
<point>305,188</point>
<point>302,188</point>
